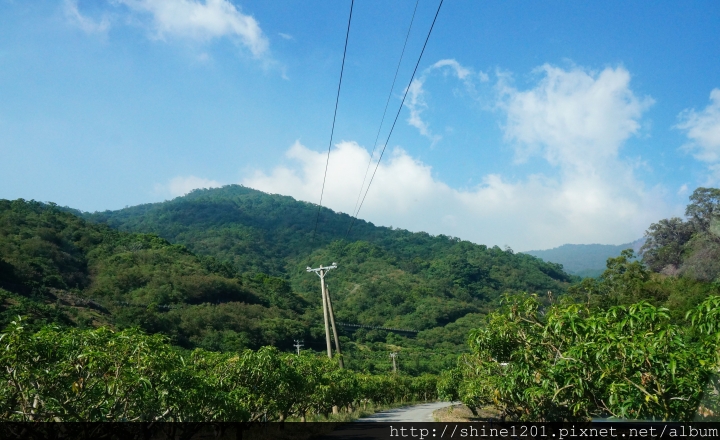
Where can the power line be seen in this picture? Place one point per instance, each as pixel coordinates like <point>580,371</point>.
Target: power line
<point>396,116</point>
<point>382,120</point>
<point>332,130</point>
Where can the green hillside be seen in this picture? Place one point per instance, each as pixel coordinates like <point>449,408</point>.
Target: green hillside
<point>58,268</point>
<point>224,269</point>
<point>386,277</point>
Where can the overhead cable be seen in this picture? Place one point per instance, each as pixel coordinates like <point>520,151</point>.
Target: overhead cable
<point>332,130</point>
<point>396,117</point>
<point>382,120</point>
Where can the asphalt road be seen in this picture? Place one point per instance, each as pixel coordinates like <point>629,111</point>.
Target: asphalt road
<point>415,413</point>
<point>382,428</point>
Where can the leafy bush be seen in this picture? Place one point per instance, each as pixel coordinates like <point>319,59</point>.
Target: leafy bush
<point>101,375</point>
<point>570,362</point>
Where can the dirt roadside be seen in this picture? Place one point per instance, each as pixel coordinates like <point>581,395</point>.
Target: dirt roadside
<point>461,413</point>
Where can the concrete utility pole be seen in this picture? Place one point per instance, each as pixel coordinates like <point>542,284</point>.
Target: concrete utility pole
<point>393,356</point>
<point>298,345</point>
<point>332,322</point>
<point>321,272</point>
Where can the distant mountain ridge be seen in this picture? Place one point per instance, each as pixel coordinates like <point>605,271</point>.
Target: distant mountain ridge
<point>584,260</point>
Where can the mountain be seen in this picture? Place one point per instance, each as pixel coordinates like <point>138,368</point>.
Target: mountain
<point>386,277</point>
<point>225,269</point>
<point>584,260</point>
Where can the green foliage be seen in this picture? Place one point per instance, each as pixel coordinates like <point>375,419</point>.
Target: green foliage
<point>235,275</point>
<point>101,375</point>
<point>58,268</point>
<point>39,313</point>
<point>690,248</point>
<point>627,281</point>
<point>665,243</point>
<point>570,362</point>
<point>94,375</point>
<point>386,277</point>
<point>704,207</point>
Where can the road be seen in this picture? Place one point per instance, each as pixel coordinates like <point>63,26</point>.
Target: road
<point>383,423</point>
<point>415,413</point>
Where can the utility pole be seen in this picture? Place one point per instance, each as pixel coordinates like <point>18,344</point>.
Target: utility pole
<point>393,356</point>
<point>321,272</point>
<point>332,322</point>
<point>298,345</point>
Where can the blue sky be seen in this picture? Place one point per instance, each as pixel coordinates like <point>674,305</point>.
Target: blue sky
<point>529,124</point>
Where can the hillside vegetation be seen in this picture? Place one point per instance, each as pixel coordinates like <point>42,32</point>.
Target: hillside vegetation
<point>639,342</point>
<point>157,321</point>
<point>386,277</point>
<point>201,288</point>
<point>56,267</point>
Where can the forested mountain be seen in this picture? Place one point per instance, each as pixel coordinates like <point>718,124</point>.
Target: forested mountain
<point>388,277</point>
<point>224,269</point>
<point>584,260</point>
<point>642,337</point>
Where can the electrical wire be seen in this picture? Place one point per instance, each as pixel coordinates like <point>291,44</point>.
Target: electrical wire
<point>412,78</point>
<point>332,130</point>
<point>382,120</point>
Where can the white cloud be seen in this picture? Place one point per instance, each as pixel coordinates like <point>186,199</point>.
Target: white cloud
<point>181,185</point>
<point>703,130</point>
<point>87,24</point>
<point>537,213</point>
<point>286,36</point>
<point>460,71</point>
<point>201,20</point>
<point>415,102</point>
<point>576,119</point>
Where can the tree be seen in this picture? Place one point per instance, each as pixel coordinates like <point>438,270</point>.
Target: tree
<point>568,362</point>
<point>665,243</point>
<point>704,206</point>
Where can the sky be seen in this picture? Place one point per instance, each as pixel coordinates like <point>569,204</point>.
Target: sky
<point>528,124</point>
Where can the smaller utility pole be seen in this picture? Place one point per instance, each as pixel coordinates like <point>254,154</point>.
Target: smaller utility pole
<point>298,345</point>
<point>393,356</point>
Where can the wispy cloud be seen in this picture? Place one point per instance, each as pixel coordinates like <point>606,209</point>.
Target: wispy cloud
<point>202,21</point>
<point>181,185</point>
<point>416,102</point>
<point>703,131</point>
<point>87,24</point>
<point>194,20</point>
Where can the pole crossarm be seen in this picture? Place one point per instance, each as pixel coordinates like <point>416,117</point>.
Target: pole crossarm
<point>321,271</point>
